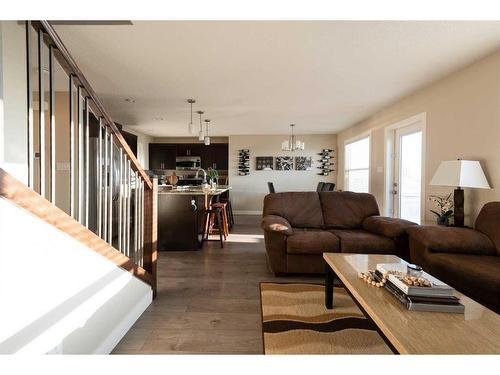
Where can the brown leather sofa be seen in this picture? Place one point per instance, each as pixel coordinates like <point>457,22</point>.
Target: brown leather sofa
<point>300,226</point>
<point>467,259</point>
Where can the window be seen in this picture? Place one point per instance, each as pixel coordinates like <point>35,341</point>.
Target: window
<point>357,165</point>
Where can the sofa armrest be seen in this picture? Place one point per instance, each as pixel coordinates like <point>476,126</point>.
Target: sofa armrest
<point>275,223</point>
<point>387,226</point>
<point>440,239</point>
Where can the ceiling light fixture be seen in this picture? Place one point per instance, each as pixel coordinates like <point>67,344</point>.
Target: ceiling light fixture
<point>201,136</point>
<point>207,137</point>
<point>292,144</point>
<point>191,125</point>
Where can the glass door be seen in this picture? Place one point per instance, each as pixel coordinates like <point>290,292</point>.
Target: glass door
<point>407,185</point>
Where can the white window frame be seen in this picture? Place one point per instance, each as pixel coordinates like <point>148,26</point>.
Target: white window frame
<point>418,121</point>
<point>353,140</point>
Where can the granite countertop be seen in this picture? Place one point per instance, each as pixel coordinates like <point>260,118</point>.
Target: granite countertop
<point>195,190</point>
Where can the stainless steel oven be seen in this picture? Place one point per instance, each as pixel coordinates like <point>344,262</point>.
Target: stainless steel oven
<point>187,163</point>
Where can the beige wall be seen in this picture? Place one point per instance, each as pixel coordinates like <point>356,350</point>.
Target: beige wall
<point>463,121</point>
<point>248,191</point>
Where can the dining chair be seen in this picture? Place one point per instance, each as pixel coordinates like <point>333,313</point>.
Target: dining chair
<point>320,186</point>
<point>270,186</point>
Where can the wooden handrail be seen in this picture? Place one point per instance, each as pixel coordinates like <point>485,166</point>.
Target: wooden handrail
<point>136,166</point>
<point>18,193</point>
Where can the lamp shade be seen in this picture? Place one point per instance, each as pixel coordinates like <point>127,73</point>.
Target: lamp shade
<point>460,173</point>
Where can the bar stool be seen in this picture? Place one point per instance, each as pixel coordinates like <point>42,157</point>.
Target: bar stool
<point>212,216</point>
<point>224,198</point>
<point>229,211</point>
<point>223,206</point>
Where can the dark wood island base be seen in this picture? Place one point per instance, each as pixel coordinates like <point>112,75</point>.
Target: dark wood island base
<point>180,218</point>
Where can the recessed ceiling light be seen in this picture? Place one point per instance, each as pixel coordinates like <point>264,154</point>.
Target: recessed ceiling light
<point>130,100</point>
<point>159,118</point>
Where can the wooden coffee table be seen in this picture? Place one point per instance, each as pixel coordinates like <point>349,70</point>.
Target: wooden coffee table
<point>412,332</point>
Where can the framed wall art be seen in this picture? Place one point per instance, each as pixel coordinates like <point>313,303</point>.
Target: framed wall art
<point>264,163</point>
<point>284,163</point>
<point>303,163</point>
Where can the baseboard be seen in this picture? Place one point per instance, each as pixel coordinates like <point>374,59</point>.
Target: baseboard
<point>124,326</point>
<point>248,213</point>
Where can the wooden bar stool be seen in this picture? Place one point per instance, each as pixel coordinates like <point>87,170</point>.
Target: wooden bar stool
<point>212,216</point>
<point>229,210</point>
<point>224,198</point>
<point>223,206</point>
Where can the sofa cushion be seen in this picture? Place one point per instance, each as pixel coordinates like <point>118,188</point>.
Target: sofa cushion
<point>361,241</point>
<point>347,210</point>
<point>312,242</point>
<point>477,276</point>
<point>387,226</point>
<point>488,222</point>
<point>443,239</point>
<point>301,209</point>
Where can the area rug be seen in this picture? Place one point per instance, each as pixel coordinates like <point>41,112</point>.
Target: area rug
<point>296,321</point>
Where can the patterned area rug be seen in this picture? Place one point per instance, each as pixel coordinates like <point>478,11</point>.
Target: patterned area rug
<point>296,321</point>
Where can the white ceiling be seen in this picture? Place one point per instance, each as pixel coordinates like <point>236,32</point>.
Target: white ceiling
<point>256,77</point>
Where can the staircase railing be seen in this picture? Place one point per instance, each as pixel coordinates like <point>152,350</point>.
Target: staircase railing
<point>107,190</point>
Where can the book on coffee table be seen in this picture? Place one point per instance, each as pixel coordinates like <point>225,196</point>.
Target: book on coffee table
<point>421,298</point>
<point>450,304</point>
<point>438,288</point>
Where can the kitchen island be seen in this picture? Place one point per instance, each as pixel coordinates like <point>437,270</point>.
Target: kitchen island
<point>180,216</point>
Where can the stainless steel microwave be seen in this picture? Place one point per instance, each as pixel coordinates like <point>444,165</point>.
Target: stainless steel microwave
<point>187,163</point>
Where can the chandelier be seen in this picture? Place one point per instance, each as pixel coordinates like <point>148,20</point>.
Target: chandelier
<point>292,144</point>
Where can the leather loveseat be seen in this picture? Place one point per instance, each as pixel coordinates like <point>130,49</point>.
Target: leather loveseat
<point>467,259</point>
<point>300,226</point>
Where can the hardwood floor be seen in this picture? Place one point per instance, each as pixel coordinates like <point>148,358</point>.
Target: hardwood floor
<point>208,301</point>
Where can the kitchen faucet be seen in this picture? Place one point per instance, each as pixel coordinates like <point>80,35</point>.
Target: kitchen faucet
<point>204,175</point>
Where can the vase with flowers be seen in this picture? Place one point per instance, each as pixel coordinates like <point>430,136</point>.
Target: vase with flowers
<point>444,205</point>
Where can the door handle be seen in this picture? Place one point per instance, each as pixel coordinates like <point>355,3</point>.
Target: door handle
<point>395,192</point>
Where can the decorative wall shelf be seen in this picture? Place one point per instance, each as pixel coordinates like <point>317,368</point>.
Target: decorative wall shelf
<point>326,162</point>
<point>244,162</point>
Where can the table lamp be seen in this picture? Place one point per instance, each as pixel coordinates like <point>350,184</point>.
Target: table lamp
<point>461,174</point>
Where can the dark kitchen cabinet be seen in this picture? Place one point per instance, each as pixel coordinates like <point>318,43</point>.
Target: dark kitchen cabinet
<point>189,149</point>
<point>162,155</point>
<point>215,156</point>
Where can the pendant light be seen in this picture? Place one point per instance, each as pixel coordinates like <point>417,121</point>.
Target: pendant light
<point>191,125</point>
<point>207,137</point>
<point>292,144</point>
<point>201,136</point>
